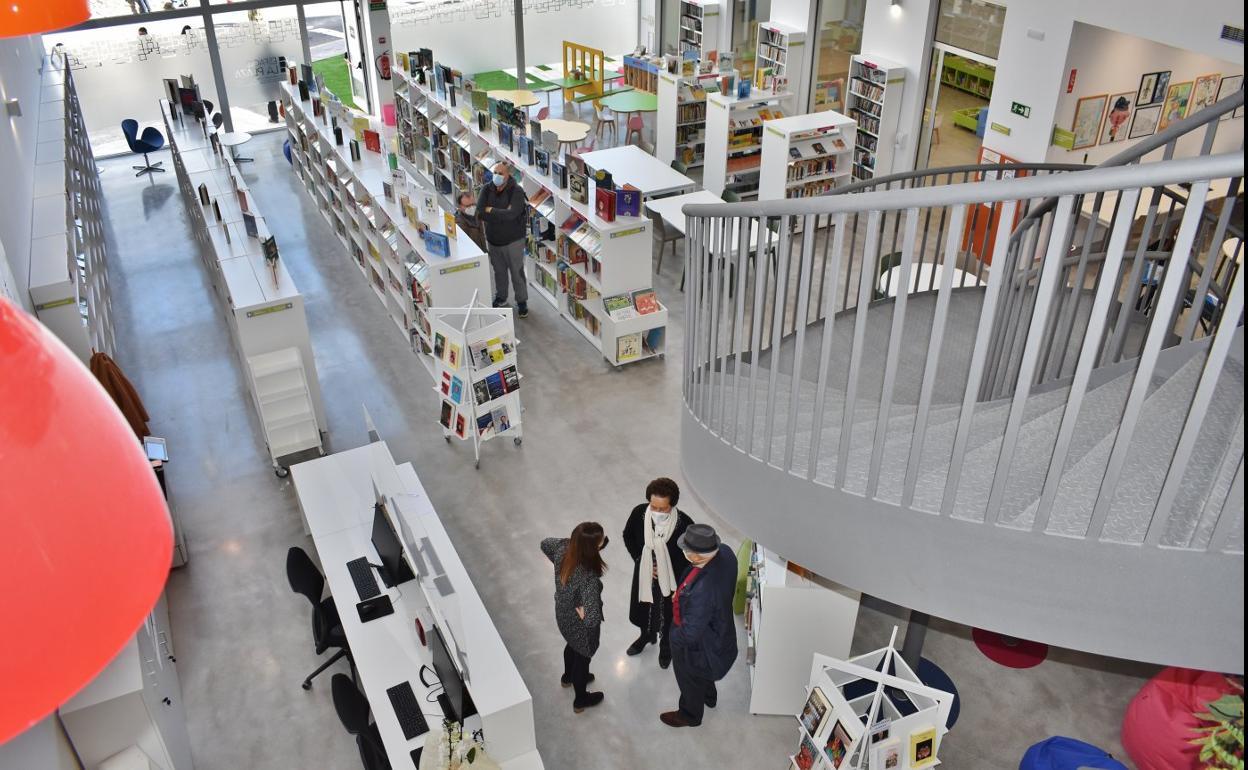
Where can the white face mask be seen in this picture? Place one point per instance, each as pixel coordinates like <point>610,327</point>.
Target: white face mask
<point>660,517</point>
<point>470,210</point>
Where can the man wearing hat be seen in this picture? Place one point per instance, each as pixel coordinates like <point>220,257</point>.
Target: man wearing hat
<point>703,635</point>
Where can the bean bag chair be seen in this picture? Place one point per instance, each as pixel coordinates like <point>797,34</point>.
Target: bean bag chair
<point>286,152</point>
<point>1058,753</point>
<point>1160,722</point>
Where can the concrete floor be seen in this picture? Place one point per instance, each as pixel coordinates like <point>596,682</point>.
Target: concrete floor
<point>594,437</point>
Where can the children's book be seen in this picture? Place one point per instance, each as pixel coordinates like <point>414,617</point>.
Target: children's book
<point>646,301</point>
<point>619,307</point>
<point>604,204</point>
<point>628,201</point>
<point>628,347</point>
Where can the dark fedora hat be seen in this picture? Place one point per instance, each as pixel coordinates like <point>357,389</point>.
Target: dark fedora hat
<point>699,538</point>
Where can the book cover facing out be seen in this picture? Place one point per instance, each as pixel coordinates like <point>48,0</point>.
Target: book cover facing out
<point>604,204</point>
<point>628,201</point>
<point>578,187</point>
<point>372,141</point>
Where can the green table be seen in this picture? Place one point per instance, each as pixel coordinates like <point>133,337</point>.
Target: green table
<point>628,102</point>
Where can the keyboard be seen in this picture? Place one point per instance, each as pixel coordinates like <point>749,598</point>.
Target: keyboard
<point>362,576</point>
<point>407,709</point>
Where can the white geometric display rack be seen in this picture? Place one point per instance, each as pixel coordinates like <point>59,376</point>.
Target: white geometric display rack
<point>873,100</point>
<point>806,155</point>
<point>68,283</point>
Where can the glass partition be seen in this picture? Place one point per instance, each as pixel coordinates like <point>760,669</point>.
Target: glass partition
<point>840,37</point>
<point>745,18</point>
<point>256,47</point>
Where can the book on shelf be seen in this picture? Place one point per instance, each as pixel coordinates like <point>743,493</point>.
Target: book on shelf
<point>355,150</point>
<point>303,91</point>
<point>524,148</point>
<point>447,418</point>
<point>250,224</point>
<point>559,174</point>
<point>628,347</point>
<point>338,135</point>
<point>795,153</point>
<point>448,220</point>
<point>359,125</point>
<point>485,425</point>
<point>452,354</point>
<point>619,307</point>
<point>628,201</point>
<point>650,340</point>
<point>496,350</point>
<point>502,422</point>
<point>542,156</point>
<point>269,248</point>
<point>646,301</point>
<point>602,179</point>
<point>457,390</point>
<point>505,136</point>
<point>461,425</point>
<point>578,187</point>
<point>480,391</point>
<point>387,190</point>
<point>372,141</point>
<point>445,386</point>
<point>204,198</point>
<point>437,243</point>
<point>807,754</point>
<point>604,204</point>
<point>529,152</point>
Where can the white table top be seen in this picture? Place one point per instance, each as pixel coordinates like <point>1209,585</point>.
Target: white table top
<point>566,130</point>
<point>926,278</point>
<point>521,97</point>
<point>234,138</point>
<point>670,209</point>
<point>630,164</point>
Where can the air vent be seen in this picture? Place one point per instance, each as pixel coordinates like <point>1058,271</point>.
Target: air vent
<point>1233,34</point>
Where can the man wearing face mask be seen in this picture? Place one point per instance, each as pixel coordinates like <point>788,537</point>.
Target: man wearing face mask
<point>466,219</point>
<point>704,634</point>
<point>501,209</point>
<point>650,535</point>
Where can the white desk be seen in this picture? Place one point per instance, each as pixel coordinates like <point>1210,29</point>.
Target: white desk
<point>670,210</point>
<point>335,495</point>
<point>630,164</point>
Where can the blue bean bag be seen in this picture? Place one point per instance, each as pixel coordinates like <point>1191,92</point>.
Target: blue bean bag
<point>1058,753</point>
<point>286,152</point>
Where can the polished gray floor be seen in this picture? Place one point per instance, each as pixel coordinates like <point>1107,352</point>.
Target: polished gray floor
<point>593,438</point>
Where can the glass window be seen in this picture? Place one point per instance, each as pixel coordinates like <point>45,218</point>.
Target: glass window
<point>256,47</point>
<point>973,25</point>
<point>671,26</point>
<point>327,41</point>
<point>746,14</point>
<point>840,37</point>
<point>109,9</point>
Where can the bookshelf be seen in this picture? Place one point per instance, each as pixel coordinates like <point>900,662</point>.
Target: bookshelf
<point>263,306</point>
<point>380,233</point>
<point>575,259</point>
<point>68,286</point>
<point>873,100</point>
<point>781,52</point>
<point>680,123</point>
<point>699,28</point>
<point>967,75</point>
<point>806,155</point>
<point>790,616</point>
<point>734,139</point>
<point>642,72</point>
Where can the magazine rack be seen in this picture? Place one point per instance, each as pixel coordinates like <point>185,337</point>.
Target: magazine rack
<point>870,712</point>
<point>478,384</point>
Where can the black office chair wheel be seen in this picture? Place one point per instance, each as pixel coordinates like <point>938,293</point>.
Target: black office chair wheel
<point>517,441</point>
<point>282,472</point>
<point>307,684</point>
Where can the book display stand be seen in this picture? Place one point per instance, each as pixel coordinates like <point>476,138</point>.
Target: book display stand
<point>680,122</point>
<point>478,384</point>
<point>870,712</point>
<point>873,99</point>
<point>806,155</point>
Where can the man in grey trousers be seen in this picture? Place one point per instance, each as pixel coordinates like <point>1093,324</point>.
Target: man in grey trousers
<point>501,208</point>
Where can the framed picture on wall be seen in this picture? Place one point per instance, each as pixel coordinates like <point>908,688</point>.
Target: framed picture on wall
<point>1175,107</point>
<point>1115,128</point>
<point>1204,93</point>
<point>1229,85</point>
<point>1144,122</point>
<point>1089,112</point>
<point>1152,88</point>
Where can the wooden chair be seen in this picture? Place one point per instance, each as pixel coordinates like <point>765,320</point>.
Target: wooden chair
<point>636,124</point>
<point>603,117</point>
<point>543,113</point>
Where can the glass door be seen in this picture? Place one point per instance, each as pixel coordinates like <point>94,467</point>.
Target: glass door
<point>959,87</point>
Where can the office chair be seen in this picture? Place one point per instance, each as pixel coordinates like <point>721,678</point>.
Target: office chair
<point>353,712</point>
<point>327,631</point>
<point>151,141</point>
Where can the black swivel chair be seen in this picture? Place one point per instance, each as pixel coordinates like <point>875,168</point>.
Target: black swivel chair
<point>353,712</point>
<point>151,141</point>
<point>327,631</point>
<point>218,120</point>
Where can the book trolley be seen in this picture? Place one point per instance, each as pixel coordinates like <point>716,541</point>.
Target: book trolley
<point>870,712</point>
<point>477,381</point>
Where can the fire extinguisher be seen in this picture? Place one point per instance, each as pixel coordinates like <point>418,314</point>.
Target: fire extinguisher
<point>383,65</point>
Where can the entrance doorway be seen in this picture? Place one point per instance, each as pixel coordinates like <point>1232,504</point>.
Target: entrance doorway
<point>956,109</point>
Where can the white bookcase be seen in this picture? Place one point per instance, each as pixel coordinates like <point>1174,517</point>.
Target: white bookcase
<point>618,253</point>
<point>806,155</point>
<point>699,27</point>
<point>68,284</point>
<point>284,402</point>
<point>789,617</point>
<point>873,100</point>
<point>680,123</point>
<point>782,48</point>
<point>381,236</point>
<point>734,139</point>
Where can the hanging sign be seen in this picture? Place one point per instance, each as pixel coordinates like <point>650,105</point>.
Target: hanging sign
<point>1070,84</point>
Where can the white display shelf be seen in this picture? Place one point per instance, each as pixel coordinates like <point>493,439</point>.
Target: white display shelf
<point>699,27</point>
<point>815,172</point>
<point>783,48</point>
<point>680,122</point>
<point>727,117</point>
<point>873,100</point>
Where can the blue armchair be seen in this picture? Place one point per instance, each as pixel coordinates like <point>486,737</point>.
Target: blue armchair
<point>151,141</point>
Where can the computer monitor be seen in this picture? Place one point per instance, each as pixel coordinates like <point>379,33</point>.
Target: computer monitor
<point>457,696</point>
<point>394,568</point>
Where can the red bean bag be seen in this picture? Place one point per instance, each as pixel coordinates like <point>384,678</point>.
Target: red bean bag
<point>1160,722</point>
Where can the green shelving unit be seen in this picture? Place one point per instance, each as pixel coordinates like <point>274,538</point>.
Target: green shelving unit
<point>965,75</point>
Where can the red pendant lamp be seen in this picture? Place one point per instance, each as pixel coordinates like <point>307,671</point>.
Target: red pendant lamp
<point>85,536</point>
<point>29,17</point>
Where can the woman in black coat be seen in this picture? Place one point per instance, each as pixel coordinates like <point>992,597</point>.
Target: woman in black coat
<point>578,604</point>
<point>650,535</point>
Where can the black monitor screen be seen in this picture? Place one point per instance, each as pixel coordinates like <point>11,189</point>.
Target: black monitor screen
<point>394,568</point>
<point>453,685</point>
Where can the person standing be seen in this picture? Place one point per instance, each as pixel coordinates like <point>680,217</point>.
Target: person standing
<point>578,604</point>
<point>501,207</point>
<point>704,635</point>
<point>466,219</point>
<point>650,535</point>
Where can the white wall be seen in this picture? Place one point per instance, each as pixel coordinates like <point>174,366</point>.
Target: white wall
<point>899,34</point>
<point>20,60</point>
<point>1033,71</point>
<point>1110,63</point>
<point>42,747</point>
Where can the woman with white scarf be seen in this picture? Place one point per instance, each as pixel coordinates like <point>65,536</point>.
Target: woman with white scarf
<point>658,564</point>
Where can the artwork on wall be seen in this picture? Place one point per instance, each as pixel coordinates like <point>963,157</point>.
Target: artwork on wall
<point>1228,86</point>
<point>1204,93</point>
<point>1144,122</point>
<point>1175,107</point>
<point>1115,129</point>
<point>1087,125</point>
<point>1152,88</point>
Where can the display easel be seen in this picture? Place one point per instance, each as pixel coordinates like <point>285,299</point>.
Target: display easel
<point>590,63</point>
<point>477,380</point>
<point>869,707</point>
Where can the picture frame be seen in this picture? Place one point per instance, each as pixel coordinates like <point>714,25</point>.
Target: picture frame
<point>1152,88</point>
<point>1086,126</point>
<point>1117,120</point>
<point>1175,106</point>
<point>1144,121</point>
<point>1227,86</point>
<point>1204,93</point>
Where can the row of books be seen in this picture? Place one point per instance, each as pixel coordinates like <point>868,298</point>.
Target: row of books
<point>622,307</point>
<point>688,113</point>
<point>811,189</point>
<point>817,149</point>
<point>866,107</point>
<point>496,385</point>
<point>866,121</point>
<point>864,87</point>
<point>817,167</point>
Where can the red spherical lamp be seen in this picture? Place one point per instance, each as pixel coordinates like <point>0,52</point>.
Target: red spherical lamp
<point>85,536</point>
<point>28,17</point>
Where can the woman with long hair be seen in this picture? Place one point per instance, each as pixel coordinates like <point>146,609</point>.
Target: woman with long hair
<point>578,604</point>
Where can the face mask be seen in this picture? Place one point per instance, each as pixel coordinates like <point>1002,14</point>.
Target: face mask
<point>499,179</point>
<point>660,517</point>
<point>470,211</point>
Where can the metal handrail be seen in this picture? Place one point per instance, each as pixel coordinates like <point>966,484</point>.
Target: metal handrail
<point>952,171</point>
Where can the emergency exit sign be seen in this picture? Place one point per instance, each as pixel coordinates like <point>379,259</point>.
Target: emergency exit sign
<point>1021,110</point>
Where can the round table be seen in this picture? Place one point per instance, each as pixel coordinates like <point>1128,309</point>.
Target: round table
<point>567,131</point>
<point>518,98</point>
<point>627,102</point>
<point>232,139</point>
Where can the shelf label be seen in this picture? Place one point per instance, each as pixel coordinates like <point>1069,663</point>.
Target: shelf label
<point>1000,129</point>
<point>270,309</point>
<point>632,231</point>
<point>459,268</point>
<point>55,303</point>
<point>774,130</point>
<point>1021,110</point>
<point>1063,138</point>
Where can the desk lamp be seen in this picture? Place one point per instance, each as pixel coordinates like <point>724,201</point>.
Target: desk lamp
<point>87,539</point>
